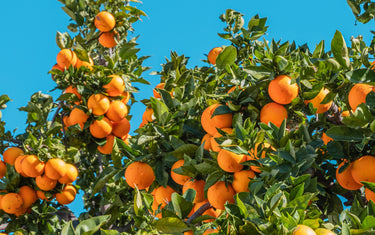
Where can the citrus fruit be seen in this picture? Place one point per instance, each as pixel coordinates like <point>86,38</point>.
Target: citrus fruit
<point>281,90</point>
<point>140,175</point>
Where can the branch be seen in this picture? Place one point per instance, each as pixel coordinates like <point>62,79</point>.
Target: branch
<point>336,117</point>
<point>199,212</point>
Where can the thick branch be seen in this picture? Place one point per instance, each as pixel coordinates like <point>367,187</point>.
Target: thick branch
<point>199,212</point>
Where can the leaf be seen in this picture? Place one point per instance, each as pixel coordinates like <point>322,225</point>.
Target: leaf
<point>226,57</point>
<point>68,229</point>
<point>319,50</point>
<point>161,112</point>
<point>188,149</point>
<point>63,40</point>
<point>361,75</point>
<point>90,226</point>
<point>181,206</point>
<point>249,228</point>
<point>343,133</point>
<point>106,175</point>
<point>369,185</point>
<point>368,222</point>
<point>170,225</point>
<point>339,50</point>
<point>128,50</point>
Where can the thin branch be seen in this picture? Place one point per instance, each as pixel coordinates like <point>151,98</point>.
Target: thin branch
<point>199,212</point>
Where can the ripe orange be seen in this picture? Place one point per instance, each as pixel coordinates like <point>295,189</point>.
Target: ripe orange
<point>156,94</point>
<point>317,100</point>
<point>214,145</point>
<point>357,94</point>
<point>303,230</point>
<point>281,90</point>
<point>32,166</point>
<point>70,175</point>
<point>229,161</point>
<point>117,111</point>
<point>66,58</point>
<point>207,141</point>
<point>326,138</point>
<point>198,186</point>
<point>210,123</point>
<point>56,66</point>
<point>121,128</point>
<point>345,113</point>
<point>42,196</point>
<point>345,178</point>
<point>73,90</point>
<point>101,128</point>
<point>98,104</point>
<point>104,21</point>
<point>370,195</point>
<point>363,169</point>
<point>139,174</point>
<point>179,179</point>
<point>78,116</point>
<point>116,86</point>
<point>253,154</point>
<point>273,112</point>
<point>28,196</point>
<point>11,203</point>
<point>218,194</point>
<point>212,55</point>
<point>3,169</point>
<point>55,168</point>
<point>163,195</point>
<point>107,39</point>
<point>86,64</point>
<point>18,165</point>
<point>211,231</point>
<point>108,146</point>
<point>324,231</point>
<point>148,115</point>
<point>10,155</point>
<point>45,183</point>
<point>126,97</point>
<point>67,195</point>
<point>241,180</point>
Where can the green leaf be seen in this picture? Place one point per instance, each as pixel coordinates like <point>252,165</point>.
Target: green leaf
<point>343,133</point>
<point>361,75</point>
<point>226,57</point>
<point>319,50</point>
<point>170,225</point>
<point>106,175</point>
<point>68,229</point>
<point>188,149</point>
<point>90,226</point>
<point>63,40</point>
<point>369,185</point>
<point>128,50</point>
<point>368,222</point>
<point>339,50</point>
<point>181,206</point>
<point>161,112</point>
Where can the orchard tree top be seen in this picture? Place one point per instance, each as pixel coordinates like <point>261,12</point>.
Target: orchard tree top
<point>267,138</point>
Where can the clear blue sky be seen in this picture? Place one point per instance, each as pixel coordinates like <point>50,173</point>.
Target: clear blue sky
<point>187,27</point>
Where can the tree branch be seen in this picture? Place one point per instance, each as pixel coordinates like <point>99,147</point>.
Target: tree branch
<point>199,212</point>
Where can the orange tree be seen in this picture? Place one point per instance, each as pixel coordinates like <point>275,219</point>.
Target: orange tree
<point>268,138</point>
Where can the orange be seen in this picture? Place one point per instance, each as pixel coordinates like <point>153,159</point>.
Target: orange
<point>42,196</point>
<point>66,58</point>
<point>117,111</point>
<point>326,138</point>
<point>212,55</point>
<point>108,146</point>
<point>163,195</point>
<point>28,196</point>
<point>45,183</point>
<point>324,231</point>
<point>345,113</point>
<point>3,169</point>
<point>107,39</point>
<point>363,169</point>
<point>78,116</point>
<point>98,104</point>
<point>198,186</point>
<point>357,94</point>
<point>18,165</point>
<point>211,211</point>
<point>241,180</point>
<point>104,21</point>
<point>214,145</point>
<point>11,203</point>
<point>345,178</point>
<point>140,175</point>
<point>273,112</point>
<point>101,128</point>
<point>56,66</point>
<point>67,195</point>
<point>210,123</point>
<point>32,166</point>
<point>210,231</point>
<point>190,232</point>
<point>121,128</point>
<point>317,101</point>
<point>73,90</point>
<point>281,90</point>
<point>229,161</point>
<point>126,97</point>
<point>303,230</point>
<point>218,194</point>
<point>155,207</point>
<point>207,141</point>
<point>86,64</point>
<point>70,175</point>
<point>253,154</point>
<point>156,94</point>
<point>148,115</point>
<point>55,168</point>
<point>370,195</point>
<point>179,179</point>
<point>116,86</point>
<point>11,153</point>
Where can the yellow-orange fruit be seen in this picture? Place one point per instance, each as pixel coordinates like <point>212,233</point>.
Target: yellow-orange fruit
<point>116,86</point>
<point>253,154</point>
<point>198,186</point>
<point>32,166</point>
<point>101,128</point>
<point>11,153</point>
<point>363,169</point>
<point>345,113</point>
<point>370,195</point>
<point>281,90</point>
<point>212,55</point>
<point>148,115</point>
<point>107,39</point>
<point>3,169</point>
<point>73,90</point>
<point>98,103</point>
<point>117,111</point>
<point>207,141</point>
<point>163,195</point>
<point>121,128</point>
<point>66,58</point>
<point>218,194</point>
<point>11,203</point>
<point>104,21</point>
<point>179,179</point>
<point>18,165</point>
<point>140,175</point>
<point>55,168</point>
<point>28,196</point>
<point>70,175</point>
<point>317,101</point>
<point>326,138</point>
<point>211,231</point>
<point>303,230</point>
<point>126,97</point>
<point>358,93</point>
<point>241,180</point>
<point>45,183</point>
<point>108,146</point>
<point>324,231</point>
<point>78,116</point>
<point>229,161</point>
<point>345,178</point>
<point>67,195</point>
<point>56,66</point>
<point>220,121</point>
<point>156,94</point>
<point>214,145</point>
<point>273,112</point>
<point>42,196</point>
<point>86,64</point>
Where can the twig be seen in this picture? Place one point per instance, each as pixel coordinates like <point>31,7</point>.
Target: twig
<point>199,212</point>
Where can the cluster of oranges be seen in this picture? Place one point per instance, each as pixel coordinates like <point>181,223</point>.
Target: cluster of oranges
<point>66,58</point>
<point>45,175</point>
<point>105,22</point>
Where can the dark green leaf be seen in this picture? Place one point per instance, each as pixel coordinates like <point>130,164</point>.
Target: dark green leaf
<point>226,57</point>
<point>170,225</point>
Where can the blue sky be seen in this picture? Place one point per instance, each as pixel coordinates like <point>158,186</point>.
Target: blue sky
<point>187,27</point>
